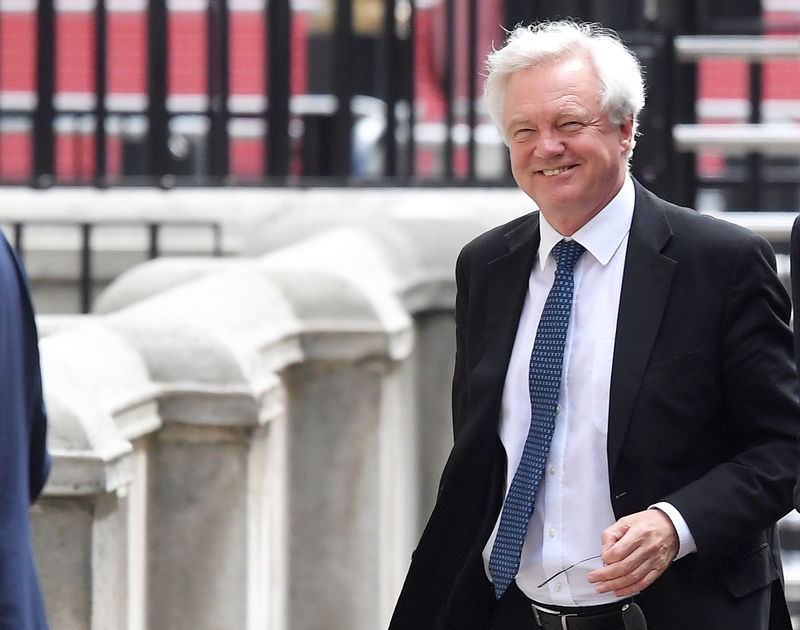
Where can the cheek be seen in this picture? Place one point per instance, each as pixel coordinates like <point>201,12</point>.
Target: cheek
<point>520,155</point>
<point>521,169</point>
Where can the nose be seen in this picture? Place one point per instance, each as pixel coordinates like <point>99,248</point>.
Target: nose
<point>549,145</point>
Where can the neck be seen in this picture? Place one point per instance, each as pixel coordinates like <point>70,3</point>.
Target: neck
<point>568,221</point>
<point>569,224</point>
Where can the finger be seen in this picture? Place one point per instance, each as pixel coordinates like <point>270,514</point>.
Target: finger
<point>638,586</point>
<point>621,569</point>
<point>637,549</point>
<point>614,533</point>
<point>619,541</point>
<point>651,530</point>
<point>624,574</point>
<point>635,572</point>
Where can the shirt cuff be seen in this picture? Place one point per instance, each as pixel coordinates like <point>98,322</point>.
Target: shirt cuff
<point>685,538</point>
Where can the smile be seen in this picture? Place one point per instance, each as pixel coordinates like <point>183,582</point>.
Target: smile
<point>549,172</point>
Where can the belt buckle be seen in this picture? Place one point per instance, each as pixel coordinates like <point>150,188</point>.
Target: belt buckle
<point>564,617</point>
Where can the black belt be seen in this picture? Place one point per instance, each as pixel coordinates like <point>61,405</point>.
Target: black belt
<point>604,617</point>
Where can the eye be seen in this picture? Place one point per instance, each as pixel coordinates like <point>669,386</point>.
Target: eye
<point>522,133</point>
<point>571,124</point>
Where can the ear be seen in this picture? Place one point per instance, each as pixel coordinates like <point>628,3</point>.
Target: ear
<point>626,134</point>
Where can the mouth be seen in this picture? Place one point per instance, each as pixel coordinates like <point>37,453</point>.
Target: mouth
<point>552,172</point>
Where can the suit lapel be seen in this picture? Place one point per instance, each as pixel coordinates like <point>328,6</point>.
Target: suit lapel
<point>646,283</point>
<point>507,285</point>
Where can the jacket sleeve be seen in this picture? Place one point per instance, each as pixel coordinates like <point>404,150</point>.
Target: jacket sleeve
<point>759,418</point>
<point>24,463</point>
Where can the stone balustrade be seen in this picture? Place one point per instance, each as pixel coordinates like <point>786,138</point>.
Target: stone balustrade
<point>90,526</point>
<point>255,441</point>
<point>251,442</point>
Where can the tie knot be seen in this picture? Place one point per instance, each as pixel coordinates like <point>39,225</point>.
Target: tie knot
<point>567,253</point>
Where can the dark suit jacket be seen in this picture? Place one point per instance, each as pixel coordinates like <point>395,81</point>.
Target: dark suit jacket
<point>703,413</point>
<point>24,462</point>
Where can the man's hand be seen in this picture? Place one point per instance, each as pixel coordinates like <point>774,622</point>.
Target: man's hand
<point>637,549</point>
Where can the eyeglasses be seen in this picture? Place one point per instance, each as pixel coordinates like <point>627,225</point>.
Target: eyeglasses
<point>572,566</point>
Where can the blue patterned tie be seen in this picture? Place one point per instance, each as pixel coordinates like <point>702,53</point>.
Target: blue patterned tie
<point>544,383</point>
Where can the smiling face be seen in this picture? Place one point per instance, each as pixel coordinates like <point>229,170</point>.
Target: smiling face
<point>565,152</point>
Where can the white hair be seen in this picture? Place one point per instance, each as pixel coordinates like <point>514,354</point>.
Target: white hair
<point>617,68</point>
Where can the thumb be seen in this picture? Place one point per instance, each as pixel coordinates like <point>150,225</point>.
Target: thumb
<point>612,534</point>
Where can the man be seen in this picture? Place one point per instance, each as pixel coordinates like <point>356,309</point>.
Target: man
<point>24,462</point>
<point>670,449</point>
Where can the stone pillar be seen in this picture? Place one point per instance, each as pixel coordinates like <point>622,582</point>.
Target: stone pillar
<point>352,409</point>
<point>90,524</point>
<point>345,275</point>
<point>217,553</point>
<point>418,235</point>
<point>412,254</point>
<point>422,247</point>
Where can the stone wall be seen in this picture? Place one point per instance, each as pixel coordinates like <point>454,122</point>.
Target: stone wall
<point>255,441</point>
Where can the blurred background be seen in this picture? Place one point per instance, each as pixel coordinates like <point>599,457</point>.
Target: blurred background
<point>373,92</point>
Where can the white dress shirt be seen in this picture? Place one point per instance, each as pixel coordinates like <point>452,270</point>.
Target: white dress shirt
<point>573,505</point>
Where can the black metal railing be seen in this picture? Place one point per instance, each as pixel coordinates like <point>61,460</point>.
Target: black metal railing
<point>332,99</point>
<point>760,174</point>
<point>87,276</point>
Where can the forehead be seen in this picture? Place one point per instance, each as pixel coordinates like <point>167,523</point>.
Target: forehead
<point>567,84</point>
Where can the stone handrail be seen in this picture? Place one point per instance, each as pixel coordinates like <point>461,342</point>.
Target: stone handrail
<point>767,138</point>
<point>748,47</point>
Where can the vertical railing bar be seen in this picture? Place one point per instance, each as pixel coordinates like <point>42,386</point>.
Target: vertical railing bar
<point>211,67</point>
<point>100,111</point>
<point>389,62</point>
<point>84,133</point>
<point>755,161</point>
<point>81,143</point>
<point>472,75</point>
<point>681,88</point>
<point>86,267</point>
<point>223,127</point>
<point>44,113</point>
<point>157,115</point>
<point>153,250</point>
<point>411,90</point>
<point>278,86</point>
<point>344,88</point>
<point>217,70</point>
<point>78,148</point>
<point>449,74</point>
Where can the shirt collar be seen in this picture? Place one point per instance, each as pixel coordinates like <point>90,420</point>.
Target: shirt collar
<point>602,235</point>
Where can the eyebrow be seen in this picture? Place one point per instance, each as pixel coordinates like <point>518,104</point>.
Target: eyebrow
<point>518,120</point>
<point>573,112</point>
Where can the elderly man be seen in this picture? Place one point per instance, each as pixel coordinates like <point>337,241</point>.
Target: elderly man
<point>625,401</point>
